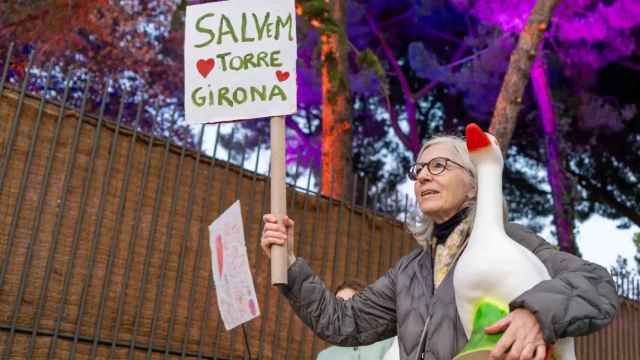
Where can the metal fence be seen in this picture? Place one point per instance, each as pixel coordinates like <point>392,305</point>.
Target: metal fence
<point>103,239</point>
<point>104,246</point>
<point>628,286</point>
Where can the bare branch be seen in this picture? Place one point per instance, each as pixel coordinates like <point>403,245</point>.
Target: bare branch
<point>510,98</point>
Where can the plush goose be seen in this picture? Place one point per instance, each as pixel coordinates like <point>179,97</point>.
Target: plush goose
<point>493,269</point>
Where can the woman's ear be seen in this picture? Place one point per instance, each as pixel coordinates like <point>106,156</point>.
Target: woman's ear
<point>472,192</point>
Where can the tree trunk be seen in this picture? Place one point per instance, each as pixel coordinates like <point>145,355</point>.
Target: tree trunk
<point>336,111</point>
<point>560,186</point>
<point>510,98</point>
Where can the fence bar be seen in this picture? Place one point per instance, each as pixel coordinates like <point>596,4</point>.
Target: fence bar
<point>404,220</point>
<point>220,210</point>
<point>347,258</point>
<point>234,332</point>
<point>636,321</point>
<point>14,127</point>
<point>5,163</point>
<point>86,182</point>
<point>54,245</point>
<point>393,243</point>
<point>265,314</point>
<point>98,228</point>
<point>381,248</point>
<point>134,234</point>
<point>150,242</point>
<point>115,234</point>
<point>185,239</point>
<point>325,248</point>
<point>24,275</point>
<point>359,253</point>
<point>5,69</point>
<point>372,235</point>
<point>165,249</point>
<point>250,220</point>
<point>312,244</point>
<point>204,227</point>
<point>336,248</point>
<point>300,252</point>
<point>267,285</point>
<point>363,221</point>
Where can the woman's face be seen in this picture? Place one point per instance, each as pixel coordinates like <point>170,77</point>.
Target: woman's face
<point>442,196</point>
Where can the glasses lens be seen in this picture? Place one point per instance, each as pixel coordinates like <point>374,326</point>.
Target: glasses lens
<point>437,166</point>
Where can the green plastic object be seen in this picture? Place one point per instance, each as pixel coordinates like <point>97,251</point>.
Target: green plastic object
<point>487,312</point>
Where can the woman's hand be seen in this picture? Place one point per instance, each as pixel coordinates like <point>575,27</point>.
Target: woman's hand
<point>277,234</point>
<point>522,338</point>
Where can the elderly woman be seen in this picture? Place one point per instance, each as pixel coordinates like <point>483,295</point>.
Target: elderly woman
<point>415,299</point>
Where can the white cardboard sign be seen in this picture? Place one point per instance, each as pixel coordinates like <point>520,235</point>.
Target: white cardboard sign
<point>240,60</point>
<point>235,291</point>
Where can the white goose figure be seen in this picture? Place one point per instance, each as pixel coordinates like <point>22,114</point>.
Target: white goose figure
<point>493,268</point>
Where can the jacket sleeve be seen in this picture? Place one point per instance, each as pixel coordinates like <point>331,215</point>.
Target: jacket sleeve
<point>580,298</point>
<point>368,317</point>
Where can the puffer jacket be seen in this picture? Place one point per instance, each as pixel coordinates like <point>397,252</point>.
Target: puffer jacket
<point>579,299</point>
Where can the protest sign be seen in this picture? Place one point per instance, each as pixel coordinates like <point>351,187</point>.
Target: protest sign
<point>240,60</point>
<point>235,291</point>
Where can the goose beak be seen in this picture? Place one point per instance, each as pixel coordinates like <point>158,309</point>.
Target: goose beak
<point>476,138</point>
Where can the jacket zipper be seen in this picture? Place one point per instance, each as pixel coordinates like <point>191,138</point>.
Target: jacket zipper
<point>423,337</point>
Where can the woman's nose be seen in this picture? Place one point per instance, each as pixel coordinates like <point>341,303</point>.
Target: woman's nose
<point>424,175</point>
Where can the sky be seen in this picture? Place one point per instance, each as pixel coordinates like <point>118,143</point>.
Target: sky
<point>601,242</point>
<point>598,238</point>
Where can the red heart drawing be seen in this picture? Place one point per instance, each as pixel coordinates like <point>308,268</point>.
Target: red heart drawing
<point>205,66</point>
<point>220,253</point>
<point>282,75</point>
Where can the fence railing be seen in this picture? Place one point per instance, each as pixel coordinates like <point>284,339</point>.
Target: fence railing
<point>103,242</point>
<point>627,285</point>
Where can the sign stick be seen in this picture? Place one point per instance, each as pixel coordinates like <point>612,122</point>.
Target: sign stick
<point>279,254</point>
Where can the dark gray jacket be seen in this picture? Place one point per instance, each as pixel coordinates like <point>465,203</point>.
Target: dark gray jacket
<point>579,299</point>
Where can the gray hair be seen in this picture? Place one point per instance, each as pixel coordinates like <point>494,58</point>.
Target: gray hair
<point>419,224</point>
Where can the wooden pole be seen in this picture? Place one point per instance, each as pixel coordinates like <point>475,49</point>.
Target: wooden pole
<point>279,257</point>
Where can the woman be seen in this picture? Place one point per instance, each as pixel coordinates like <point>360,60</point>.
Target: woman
<point>415,299</point>
<point>375,351</point>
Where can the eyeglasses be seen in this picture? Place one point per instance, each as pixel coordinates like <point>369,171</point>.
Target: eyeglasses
<point>435,166</point>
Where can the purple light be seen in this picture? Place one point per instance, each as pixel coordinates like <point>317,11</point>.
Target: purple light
<point>585,32</point>
<point>543,96</point>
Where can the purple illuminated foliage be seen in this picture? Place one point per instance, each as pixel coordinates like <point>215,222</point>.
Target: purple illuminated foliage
<point>444,62</point>
<point>592,33</point>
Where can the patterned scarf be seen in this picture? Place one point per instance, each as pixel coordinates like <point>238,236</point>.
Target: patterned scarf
<point>446,254</point>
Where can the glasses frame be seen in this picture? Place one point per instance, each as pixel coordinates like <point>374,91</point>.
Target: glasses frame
<point>417,168</point>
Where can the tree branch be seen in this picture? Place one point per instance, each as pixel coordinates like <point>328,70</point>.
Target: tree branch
<point>393,117</point>
<point>295,127</point>
<point>410,103</point>
<point>509,100</point>
<point>431,85</point>
<point>41,15</point>
<point>597,193</point>
<point>404,84</point>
